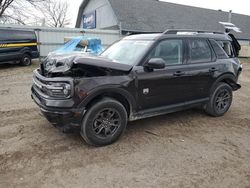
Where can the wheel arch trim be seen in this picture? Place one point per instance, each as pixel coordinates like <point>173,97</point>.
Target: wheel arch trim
<point>100,92</point>
<point>228,78</point>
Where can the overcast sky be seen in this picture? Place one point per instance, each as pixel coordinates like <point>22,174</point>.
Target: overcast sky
<point>238,6</point>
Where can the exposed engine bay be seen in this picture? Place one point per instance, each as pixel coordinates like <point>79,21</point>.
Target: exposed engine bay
<point>81,66</point>
<point>85,71</point>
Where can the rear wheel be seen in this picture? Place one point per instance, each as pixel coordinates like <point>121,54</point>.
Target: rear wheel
<point>104,122</point>
<point>26,60</point>
<point>220,100</point>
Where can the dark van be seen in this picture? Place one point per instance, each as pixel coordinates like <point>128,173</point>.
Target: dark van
<point>18,45</point>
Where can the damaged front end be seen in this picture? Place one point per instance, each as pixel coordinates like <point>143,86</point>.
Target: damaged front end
<point>82,66</point>
<point>59,84</point>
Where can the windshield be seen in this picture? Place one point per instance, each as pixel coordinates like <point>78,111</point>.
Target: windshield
<point>127,51</point>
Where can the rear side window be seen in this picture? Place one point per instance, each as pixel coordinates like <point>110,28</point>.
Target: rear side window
<point>227,47</point>
<point>200,51</point>
<point>219,51</point>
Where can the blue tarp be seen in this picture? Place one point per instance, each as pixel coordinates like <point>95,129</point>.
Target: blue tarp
<point>94,45</point>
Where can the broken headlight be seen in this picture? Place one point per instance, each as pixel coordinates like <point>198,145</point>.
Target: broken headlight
<point>58,89</point>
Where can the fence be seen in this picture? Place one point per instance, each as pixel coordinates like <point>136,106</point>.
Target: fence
<point>245,48</point>
<point>50,39</point>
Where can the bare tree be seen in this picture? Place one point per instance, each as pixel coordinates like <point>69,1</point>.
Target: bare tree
<point>4,4</point>
<point>14,11</point>
<point>55,13</point>
<point>26,12</point>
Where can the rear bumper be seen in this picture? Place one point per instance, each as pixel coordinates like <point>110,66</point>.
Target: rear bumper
<point>237,85</point>
<point>59,113</point>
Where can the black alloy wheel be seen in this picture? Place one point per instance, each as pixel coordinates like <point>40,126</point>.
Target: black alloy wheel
<point>220,100</point>
<point>106,122</point>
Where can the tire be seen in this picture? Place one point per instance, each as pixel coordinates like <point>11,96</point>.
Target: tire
<point>104,122</point>
<point>26,60</point>
<point>220,100</point>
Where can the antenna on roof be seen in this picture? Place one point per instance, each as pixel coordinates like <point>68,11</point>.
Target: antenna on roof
<point>230,27</point>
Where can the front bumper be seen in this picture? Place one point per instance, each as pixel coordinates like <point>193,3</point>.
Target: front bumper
<point>59,114</point>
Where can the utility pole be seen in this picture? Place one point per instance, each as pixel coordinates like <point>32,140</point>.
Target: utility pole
<point>230,16</point>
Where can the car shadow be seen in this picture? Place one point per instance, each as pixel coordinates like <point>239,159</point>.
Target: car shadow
<point>165,119</point>
<point>9,64</point>
<point>140,127</point>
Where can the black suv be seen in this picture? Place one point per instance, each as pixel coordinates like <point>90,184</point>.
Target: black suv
<point>138,77</point>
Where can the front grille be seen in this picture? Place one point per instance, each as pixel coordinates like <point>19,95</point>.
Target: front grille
<point>40,85</point>
<point>42,69</point>
<point>44,86</point>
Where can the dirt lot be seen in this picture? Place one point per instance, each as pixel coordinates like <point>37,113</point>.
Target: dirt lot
<point>184,149</point>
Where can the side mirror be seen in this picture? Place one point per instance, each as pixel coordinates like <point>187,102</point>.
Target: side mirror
<point>155,63</point>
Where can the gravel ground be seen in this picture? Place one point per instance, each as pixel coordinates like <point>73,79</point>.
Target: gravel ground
<point>184,149</point>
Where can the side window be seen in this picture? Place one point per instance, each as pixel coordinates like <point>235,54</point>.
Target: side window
<point>227,47</point>
<point>4,35</point>
<point>16,35</point>
<point>219,51</point>
<point>200,51</point>
<point>171,51</point>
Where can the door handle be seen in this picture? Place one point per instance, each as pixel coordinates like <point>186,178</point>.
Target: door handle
<point>213,69</point>
<point>179,73</point>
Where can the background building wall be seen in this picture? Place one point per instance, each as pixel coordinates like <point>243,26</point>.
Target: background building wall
<point>50,39</point>
<point>105,16</point>
<point>245,48</point>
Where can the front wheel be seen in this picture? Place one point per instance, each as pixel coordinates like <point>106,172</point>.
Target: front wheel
<point>26,60</point>
<point>104,122</point>
<point>220,100</point>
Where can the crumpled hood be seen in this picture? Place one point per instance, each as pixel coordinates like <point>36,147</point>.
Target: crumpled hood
<point>64,62</point>
<point>65,54</point>
<point>56,62</point>
<point>100,61</point>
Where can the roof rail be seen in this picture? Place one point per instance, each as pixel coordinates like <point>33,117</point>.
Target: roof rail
<point>175,31</point>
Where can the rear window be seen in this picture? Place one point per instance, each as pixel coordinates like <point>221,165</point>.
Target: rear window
<point>16,35</point>
<point>200,51</point>
<point>219,51</point>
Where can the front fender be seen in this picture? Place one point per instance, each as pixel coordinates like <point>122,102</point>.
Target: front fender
<point>111,89</point>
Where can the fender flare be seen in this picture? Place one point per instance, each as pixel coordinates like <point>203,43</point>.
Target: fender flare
<point>229,78</point>
<point>26,50</point>
<point>95,93</point>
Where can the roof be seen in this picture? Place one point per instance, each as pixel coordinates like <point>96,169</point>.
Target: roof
<point>162,35</point>
<point>157,16</point>
<point>16,29</point>
<point>143,37</point>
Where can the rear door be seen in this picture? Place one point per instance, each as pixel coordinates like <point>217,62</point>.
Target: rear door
<point>202,68</point>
